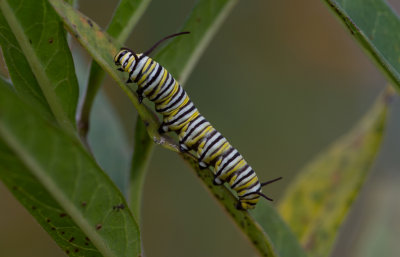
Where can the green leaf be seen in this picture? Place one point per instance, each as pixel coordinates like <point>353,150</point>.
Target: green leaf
<point>375,26</point>
<point>42,206</point>
<point>24,80</point>
<point>181,55</point>
<point>284,241</point>
<point>124,20</point>
<point>41,37</point>
<point>67,172</point>
<point>126,16</point>
<point>143,147</point>
<point>109,143</point>
<point>319,199</point>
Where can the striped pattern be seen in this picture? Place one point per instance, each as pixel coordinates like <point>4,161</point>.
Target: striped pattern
<point>194,131</point>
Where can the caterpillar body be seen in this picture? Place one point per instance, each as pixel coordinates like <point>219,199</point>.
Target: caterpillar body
<point>193,130</point>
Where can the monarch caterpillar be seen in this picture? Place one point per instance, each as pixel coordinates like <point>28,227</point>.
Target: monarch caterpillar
<point>194,131</point>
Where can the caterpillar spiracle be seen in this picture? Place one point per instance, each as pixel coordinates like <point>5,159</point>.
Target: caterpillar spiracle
<point>193,130</point>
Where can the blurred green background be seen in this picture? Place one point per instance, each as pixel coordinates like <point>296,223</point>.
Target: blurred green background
<point>281,80</point>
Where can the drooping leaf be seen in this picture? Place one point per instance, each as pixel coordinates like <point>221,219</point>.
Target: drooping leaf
<point>375,26</point>
<point>125,18</point>
<point>109,143</point>
<point>319,199</point>
<point>284,241</point>
<point>182,54</point>
<point>41,37</point>
<point>143,147</point>
<point>64,169</point>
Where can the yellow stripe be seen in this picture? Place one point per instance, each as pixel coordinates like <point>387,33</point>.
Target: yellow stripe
<point>163,102</point>
<point>222,149</point>
<point>144,76</point>
<point>233,179</point>
<point>251,182</point>
<point>238,165</point>
<point>196,139</point>
<point>129,64</point>
<point>175,111</point>
<point>160,84</point>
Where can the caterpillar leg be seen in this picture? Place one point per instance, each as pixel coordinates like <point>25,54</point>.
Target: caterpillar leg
<point>183,147</point>
<point>163,128</point>
<point>203,165</point>
<point>140,95</point>
<point>217,181</point>
<point>239,206</point>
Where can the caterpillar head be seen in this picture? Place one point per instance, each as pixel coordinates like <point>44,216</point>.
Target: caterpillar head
<point>250,199</point>
<point>119,55</point>
<point>124,57</point>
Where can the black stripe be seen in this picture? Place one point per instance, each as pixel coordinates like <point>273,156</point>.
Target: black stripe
<point>210,146</point>
<point>159,85</point>
<point>183,114</point>
<point>154,77</point>
<point>127,60</point>
<point>134,66</point>
<point>216,150</point>
<point>250,203</point>
<point>191,130</point>
<point>228,162</point>
<point>248,188</point>
<point>207,138</point>
<point>142,72</point>
<point>171,83</point>
<point>251,172</point>
<point>122,53</point>
<point>171,104</point>
<point>237,172</point>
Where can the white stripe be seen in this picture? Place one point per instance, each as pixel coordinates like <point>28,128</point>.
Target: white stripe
<point>168,91</point>
<point>139,67</point>
<point>124,58</point>
<point>197,130</point>
<point>234,151</point>
<point>185,117</point>
<point>252,191</point>
<point>231,164</point>
<point>242,174</point>
<point>171,105</point>
<point>156,81</point>
<point>212,140</point>
<point>246,180</point>
<point>169,77</point>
